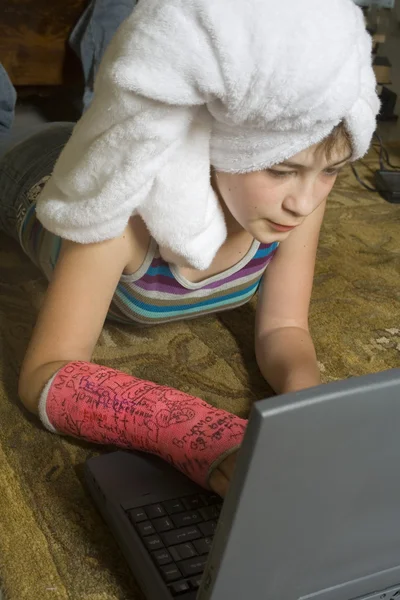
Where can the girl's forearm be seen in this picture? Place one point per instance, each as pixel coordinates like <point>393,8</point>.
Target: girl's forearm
<point>107,406</point>
<point>287,359</point>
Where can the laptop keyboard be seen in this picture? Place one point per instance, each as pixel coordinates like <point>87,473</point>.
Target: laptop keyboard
<point>178,535</point>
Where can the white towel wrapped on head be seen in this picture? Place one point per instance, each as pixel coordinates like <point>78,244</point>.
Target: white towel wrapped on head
<point>185,84</point>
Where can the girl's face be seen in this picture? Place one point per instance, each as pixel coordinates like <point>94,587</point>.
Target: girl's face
<point>269,204</point>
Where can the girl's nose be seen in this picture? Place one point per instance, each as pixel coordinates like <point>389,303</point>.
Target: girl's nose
<point>302,200</point>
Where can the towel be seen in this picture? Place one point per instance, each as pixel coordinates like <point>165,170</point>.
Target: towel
<point>184,85</point>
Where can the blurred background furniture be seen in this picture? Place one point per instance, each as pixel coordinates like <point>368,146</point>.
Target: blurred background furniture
<point>33,41</point>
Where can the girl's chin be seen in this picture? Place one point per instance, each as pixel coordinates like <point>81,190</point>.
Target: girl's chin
<point>268,237</point>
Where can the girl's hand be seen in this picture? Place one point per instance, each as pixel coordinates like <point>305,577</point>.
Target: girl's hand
<point>221,476</point>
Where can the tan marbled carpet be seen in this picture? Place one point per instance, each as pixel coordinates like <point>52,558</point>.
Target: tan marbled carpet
<point>53,544</point>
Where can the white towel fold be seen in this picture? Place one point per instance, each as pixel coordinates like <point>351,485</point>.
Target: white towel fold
<point>185,84</point>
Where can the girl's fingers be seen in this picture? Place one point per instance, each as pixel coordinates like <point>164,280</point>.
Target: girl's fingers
<point>228,465</point>
<point>219,483</point>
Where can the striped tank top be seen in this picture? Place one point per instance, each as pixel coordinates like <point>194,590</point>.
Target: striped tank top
<point>157,292</point>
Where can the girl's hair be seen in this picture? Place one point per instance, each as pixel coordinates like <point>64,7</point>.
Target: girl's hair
<point>339,139</point>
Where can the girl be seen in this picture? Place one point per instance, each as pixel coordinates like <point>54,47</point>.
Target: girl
<point>271,124</point>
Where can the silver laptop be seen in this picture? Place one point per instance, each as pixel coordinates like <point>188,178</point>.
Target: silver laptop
<point>313,511</point>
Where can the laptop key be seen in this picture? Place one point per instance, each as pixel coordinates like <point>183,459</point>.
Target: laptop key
<point>179,536</point>
<point>192,502</point>
<point>182,551</point>
<point>211,499</point>
<point>170,572</point>
<point>173,506</point>
<point>210,512</point>
<point>153,542</point>
<point>187,518</point>
<point>137,515</point>
<point>163,524</point>
<point>203,546</point>
<point>162,557</point>
<point>145,528</point>
<point>179,587</point>
<point>193,566</point>
<point>154,510</point>
<point>195,582</point>
<point>208,528</point>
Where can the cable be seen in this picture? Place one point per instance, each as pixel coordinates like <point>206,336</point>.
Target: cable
<point>383,158</point>
<point>356,175</point>
<point>379,153</point>
<point>384,155</point>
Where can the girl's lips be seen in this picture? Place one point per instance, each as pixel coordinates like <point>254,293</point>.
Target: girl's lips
<point>279,227</point>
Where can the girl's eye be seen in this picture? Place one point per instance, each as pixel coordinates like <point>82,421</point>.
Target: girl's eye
<point>279,174</point>
<point>332,172</point>
<point>275,173</point>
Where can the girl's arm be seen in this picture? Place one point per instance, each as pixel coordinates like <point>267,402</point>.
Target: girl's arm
<point>75,397</point>
<point>284,349</point>
<point>73,312</point>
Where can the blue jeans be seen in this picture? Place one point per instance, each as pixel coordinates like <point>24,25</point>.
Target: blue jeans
<point>93,33</point>
<point>26,156</point>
